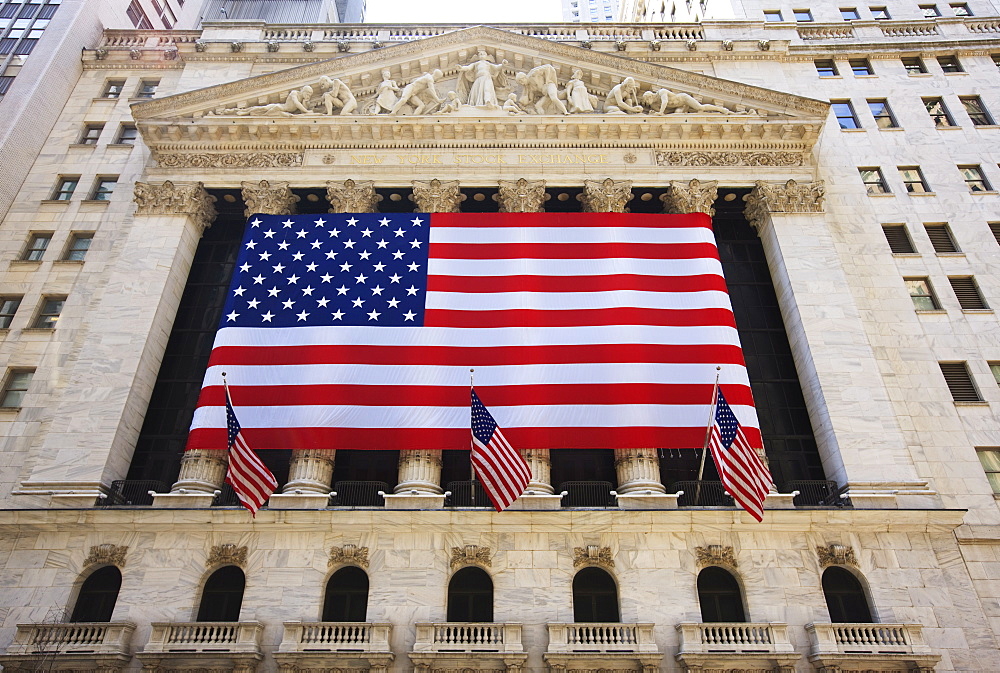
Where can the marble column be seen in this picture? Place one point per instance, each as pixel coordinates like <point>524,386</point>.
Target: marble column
<point>310,471</point>
<point>419,472</point>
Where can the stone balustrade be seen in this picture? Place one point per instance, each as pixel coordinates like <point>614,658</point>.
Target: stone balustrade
<point>732,645</point>
<point>604,638</point>
<point>82,645</point>
<point>468,637</point>
<point>844,645</point>
<point>335,637</point>
<point>228,645</point>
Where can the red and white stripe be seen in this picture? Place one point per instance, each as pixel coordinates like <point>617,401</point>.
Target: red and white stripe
<point>252,482</point>
<point>503,471</point>
<point>586,330</point>
<point>742,472</point>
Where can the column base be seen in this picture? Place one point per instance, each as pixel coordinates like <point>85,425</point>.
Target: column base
<point>647,500</point>
<point>191,500</point>
<point>71,500</point>
<point>414,501</point>
<point>779,501</point>
<point>298,501</point>
<point>537,501</point>
<point>893,495</point>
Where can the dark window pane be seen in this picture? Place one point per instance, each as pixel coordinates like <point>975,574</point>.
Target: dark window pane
<point>98,595</point>
<point>595,596</point>
<point>222,596</point>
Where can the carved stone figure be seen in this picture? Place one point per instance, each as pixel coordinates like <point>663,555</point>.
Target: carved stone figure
<point>454,104</point>
<point>541,90</point>
<point>578,99</point>
<point>665,101</point>
<point>623,98</point>
<point>337,96</point>
<point>521,196</point>
<point>476,84</point>
<point>512,107</point>
<point>297,101</point>
<point>386,93</point>
<point>419,94</point>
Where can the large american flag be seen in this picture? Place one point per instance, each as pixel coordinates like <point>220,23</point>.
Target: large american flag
<point>741,469</point>
<point>586,330</point>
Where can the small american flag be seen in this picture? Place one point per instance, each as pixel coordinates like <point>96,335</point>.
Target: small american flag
<point>503,471</point>
<point>743,473</point>
<point>252,482</point>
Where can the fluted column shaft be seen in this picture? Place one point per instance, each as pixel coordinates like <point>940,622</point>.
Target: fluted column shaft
<point>420,471</point>
<point>310,471</point>
<point>202,471</point>
<point>541,470</point>
<point>638,470</point>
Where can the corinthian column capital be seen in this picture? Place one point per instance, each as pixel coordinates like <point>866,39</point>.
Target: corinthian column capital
<point>268,198</point>
<point>348,196</point>
<point>436,196</point>
<point>791,197</point>
<point>694,197</point>
<point>522,196</point>
<point>170,198</point>
<point>606,196</point>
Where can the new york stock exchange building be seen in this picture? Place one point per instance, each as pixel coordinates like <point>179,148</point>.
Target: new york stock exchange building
<point>847,159</point>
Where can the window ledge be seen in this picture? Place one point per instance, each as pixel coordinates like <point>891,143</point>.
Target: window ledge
<point>119,146</point>
<point>921,193</point>
<point>931,311</point>
<point>919,74</point>
<point>38,330</point>
<point>986,126</point>
<point>859,129</point>
<point>9,411</point>
<point>988,192</point>
<point>878,196</point>
<point>54,201</point>
<point>972,404</point>
<point>954,127</point>
<point>830,77</point>
<point>947,74</point>
<point>865,76</point>
<point>33,263</point>
<point>906,254</point>
<point>950,254</point>
<point>890,128</point>
<point>68,262</point>
<point>77,146</point>
<point>96,202</point>
<point>104,98</point>
<point>139,99</point>
<point>975,311</point>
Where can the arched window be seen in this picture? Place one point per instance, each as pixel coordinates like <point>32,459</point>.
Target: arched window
<point>595,596</point>
<point>470,596</point>
<point>346,596</point>
<point>845,597</point>
<point>720,596</point>
<point>97,596</point>
<point>222,596</point>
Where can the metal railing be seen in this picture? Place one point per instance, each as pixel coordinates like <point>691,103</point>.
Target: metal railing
<point>226,497</point>
<point>359,493</point>
<point>817,493</point>
<point>586,494</point>
<point>469,493</point>
<point>130,493</point>
<point>702,494</point>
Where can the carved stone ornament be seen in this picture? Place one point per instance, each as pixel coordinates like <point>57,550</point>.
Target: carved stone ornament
<point>352,197</point>
<point>836,555</point>
<point>230,160</point>
<point>694,197</point>
<point>227,554</point>
<point>471,554</point>
<point>715,555</point>
<point>672,158</point>
<point>348,554</point>
<point>606,196</point>
<point>727,45</point>
<point>791,197</point>
<point>436,196</point>
<point>169,198</point>
<point>106,554</point>
<point>269,198</point>
<point>593,555</point>
<point>135,54</point>
<point>764,45</point>
<point>100,54</point>
<point>522,196</point>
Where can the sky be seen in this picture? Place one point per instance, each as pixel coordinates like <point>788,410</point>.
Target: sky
<point>462,11</point>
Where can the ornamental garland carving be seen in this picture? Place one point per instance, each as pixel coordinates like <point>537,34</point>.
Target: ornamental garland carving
<point>169,198</point>
<point>522,196</point>
<point>694,197</point>
<point>593,554</point>
<point>348,554</point>
<point>836,555</point>
<point>436,196</point>
<point>106,554</point>
<point>227,554</point>
<point>270,198</point>
<point>471,554</point>
<point>349,196</point>
<point>682,158</point>
<point>230,160</point>
<point>607,196</point>
<point>715,554</point>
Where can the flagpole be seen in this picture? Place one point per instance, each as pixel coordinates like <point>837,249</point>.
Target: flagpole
<point>708,432</point>
<point>472,467</point>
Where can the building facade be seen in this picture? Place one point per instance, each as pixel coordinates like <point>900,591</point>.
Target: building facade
<point>849,166</point>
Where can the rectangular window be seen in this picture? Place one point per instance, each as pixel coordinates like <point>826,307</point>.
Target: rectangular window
<point>880,13</point>
<point>137,16</point>
<point>969,297</point>
<point>844,112</point>
<point>65,188</point>
<point>873,180</point>
<point>995,230</point>
<point>48,314</point>
<point>941,238</point>
<point>15,387</point>
<point>990,460</point>
<point>898,239</point>
<point>37,245</point>
<point>938,112</point>
<point>127,135</point>
<point>974,179</point>
<point>802,14</point>
<point>950,64</point>
<point>960,383</point>
<point>104,187</point>
<point>147,88</point>
<point>772,15</point>
<point>849,14</point>
<point>882,113</point>
<point>826,67</point>
<point>914,65</point>
<point>995,370</point>
<point>996,60</point>
<point>929,11</point>
<point>921,295</point>
<point>113,88</point>
<point>976,111</point>
<point>91,134</point>
<point>913,179</point>
<point>961,9</point>
<point>861,66</point>
<point>8,307</point>
<point>78,246</point>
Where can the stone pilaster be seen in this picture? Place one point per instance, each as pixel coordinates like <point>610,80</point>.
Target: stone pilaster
<point>522,196</point>
<point>437,196</point>
<point>268,198</point>
<point>693,197</point>
<point>606,196</point>
<point>169,198</point>
<point>310,471</point>
<point>349,196</point>
<point>419,472</point>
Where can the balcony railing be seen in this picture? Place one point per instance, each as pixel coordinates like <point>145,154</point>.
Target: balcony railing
<point>335,637</point>
<point>601,638</point>
<point>467,494</point>
<point>210,637</point>
<point>106,638</point>
<point>468,637</point>
<point>817,493</point>
<point>734,637</point>
<point>226,497</point>
<point>359,494</point>
<point>586,494</point>
<point>867,638</point>
<point>702,494</point>
<point>130,493</point>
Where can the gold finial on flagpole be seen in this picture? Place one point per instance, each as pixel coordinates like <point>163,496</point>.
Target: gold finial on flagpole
<point>472,377</point>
